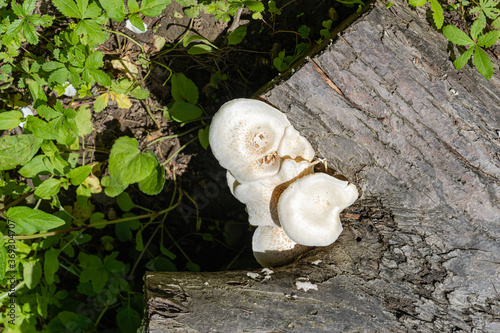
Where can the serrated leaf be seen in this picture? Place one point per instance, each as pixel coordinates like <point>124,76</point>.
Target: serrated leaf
<point>17,150</point>
<point>40,128</point>
<point>51,264</point>
<point>183,89</point>
<point>94,60</point>
<point>128,320</point>
<point>237,35</point>
<point>10,119</point>
<point>93,270</point>
<point>136,21</point>
<point>153,7</point>
<point>101,77</point>
<point>47,112</point>
<point>32,272</point>
<point>48,188</point>
<point>101,102</point>
<point>488,39</point>
<point>121,100</point>
<point>115,9</point>
<point>457,36</point>
<point>254,6</point>
<point>92,11</point>
<point>93,30</point>
<point>14,29</point>
<point>153,184</point>
<point>68,8</point>
<point>476,29</point>
<point>437,13</point>
<point>127,164</point>
<point>30,33</point>
<point>59,75</point>
<point>483,63</point>
<point>28,220</point>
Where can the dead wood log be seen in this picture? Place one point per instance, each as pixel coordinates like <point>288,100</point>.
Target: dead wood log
<point>420,250</point>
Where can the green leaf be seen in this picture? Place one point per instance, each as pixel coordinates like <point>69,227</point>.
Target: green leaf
<point>93,270</point>
<point>68,8</point>
<point>254,6</point>
<point>101,77</point>
<point>437,13</point>
<point>183,112</point>
<point>75,322</point>
<point>136,21</point>
<point>127,164</point>
<point>237,35</point>
<point>32,272</point>
<point>48,113</point>
<point>10,119</point>
<point>483,63</point>
<point>463,59</point>
<point>191,266</point>
<point>34,167</point>
<point>83,121</point>
<point>92,11</point>
<point>28,220</point>
<point>14,29</point>
<point>3,259</point>
<point>488,39</point>
<point>153,7</point>
<point>183,89</point>
<point>112,188</point>
<point>139,244</point>
<point>29,6</point>
<point>94,60</point>
<point>203,136</point>
<point>78,175</point>
<point>17,150</point>
<point>123,232</point>
<point>125,202</point>
<point>30,33</point>
<point>93,30</point>
<point>154,183</point>
<point>48,188</point>
<point>115,9</point>
<point>199,49</point>
<point>133,6</point>
<point>457,36</point>
<point>41,129</point>
<point>51,264</point>
<point>476,29</point>
<point>128,320</point>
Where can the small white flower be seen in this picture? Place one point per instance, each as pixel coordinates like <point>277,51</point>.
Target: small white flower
<point>26,112</point>
<point>132,28</point>
<point>69,91</point>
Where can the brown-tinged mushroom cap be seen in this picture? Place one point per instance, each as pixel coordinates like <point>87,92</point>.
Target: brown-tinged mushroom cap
<point>261,196</point>
<point>309,209</point>
<point>272,247</point>
<point>245,135</point>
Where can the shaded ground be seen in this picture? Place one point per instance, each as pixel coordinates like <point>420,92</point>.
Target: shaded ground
<point>222,238</point>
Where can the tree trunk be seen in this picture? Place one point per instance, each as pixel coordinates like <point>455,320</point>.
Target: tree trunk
<point>420,248</point>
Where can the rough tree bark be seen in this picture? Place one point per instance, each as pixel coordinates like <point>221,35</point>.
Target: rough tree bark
<point>421,249</point>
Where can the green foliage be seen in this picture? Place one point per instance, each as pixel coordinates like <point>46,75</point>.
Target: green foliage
<point>486,17</point>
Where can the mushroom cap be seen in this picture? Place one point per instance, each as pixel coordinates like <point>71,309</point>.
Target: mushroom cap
<point>245,135</point>
<point>309,209</point>
<point>272,247</point>
<point>295,146</point>
<point>231,182</point>
<point>261,196</point>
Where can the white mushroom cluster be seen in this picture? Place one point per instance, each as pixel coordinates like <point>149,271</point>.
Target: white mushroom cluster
<point>270,169</point>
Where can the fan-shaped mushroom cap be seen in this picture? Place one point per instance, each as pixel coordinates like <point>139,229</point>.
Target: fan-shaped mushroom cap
<point>295,146</point>
<point>261,196</point>
<point>309,208</point>
<point>245,135</point>
<point>272,247</point>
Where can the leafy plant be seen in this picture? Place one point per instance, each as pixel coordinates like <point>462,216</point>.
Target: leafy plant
<point>485,15</point>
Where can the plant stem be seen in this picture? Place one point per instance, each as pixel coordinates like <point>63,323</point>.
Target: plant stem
<point>179,150</point>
